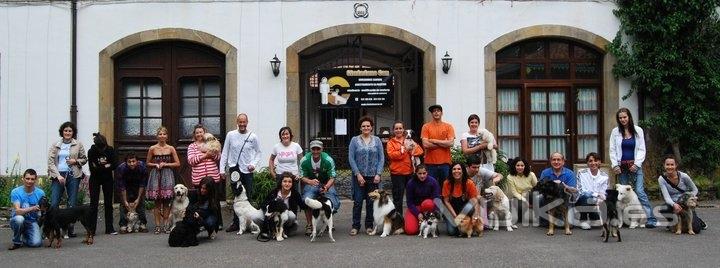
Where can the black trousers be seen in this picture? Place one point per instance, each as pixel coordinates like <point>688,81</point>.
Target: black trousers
<point>106,183</point>
<point>398,190</point>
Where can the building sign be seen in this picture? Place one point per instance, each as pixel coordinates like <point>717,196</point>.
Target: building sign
<point>356,87</point>
<point>361,10</point>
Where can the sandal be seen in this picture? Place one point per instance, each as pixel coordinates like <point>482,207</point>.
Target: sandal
<point>368,231</point>
<point>157,229</point>
<point>353,232</point>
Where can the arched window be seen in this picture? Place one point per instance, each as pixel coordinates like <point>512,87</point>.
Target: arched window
<point>549,100</point>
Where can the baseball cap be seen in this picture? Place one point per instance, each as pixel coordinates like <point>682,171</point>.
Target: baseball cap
<point>435,106</point>
<point>316,143</point>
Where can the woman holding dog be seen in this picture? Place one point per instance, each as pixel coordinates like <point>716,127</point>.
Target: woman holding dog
<point>204,164</point>
<point>479,142</point>
<point>162,159</point>
<point>400,152</point>
<point>285,192</point>
<point>423,192</point>
<point>627,153</point>
<point>459,197</point>
<point>674,184</point>
<point>285,156</point>
<point>366,157</point>
<point>102,161</point>
<point>65,160</point>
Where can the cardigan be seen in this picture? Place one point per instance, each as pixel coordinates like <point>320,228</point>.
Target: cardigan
<point>616,147</point>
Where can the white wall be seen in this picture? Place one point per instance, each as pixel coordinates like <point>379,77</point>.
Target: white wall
<point>35,55</point>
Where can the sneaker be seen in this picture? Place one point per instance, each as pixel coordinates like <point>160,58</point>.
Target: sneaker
<point>66,237</point>
<point>650,225</point>
<point>232,228</point>
<point>113,233</point>
<point>585,226</point>
<point>212,235</point>
<point>368,231</point>
<point>14,246</point>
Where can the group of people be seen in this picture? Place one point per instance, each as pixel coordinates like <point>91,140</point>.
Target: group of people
<point>437,184</point>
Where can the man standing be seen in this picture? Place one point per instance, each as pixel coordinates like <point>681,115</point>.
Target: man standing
<point>23,220</point>
<point>240,155</point>
<point>130,180</point>
<point>437,138</point>
<point>317,170</point>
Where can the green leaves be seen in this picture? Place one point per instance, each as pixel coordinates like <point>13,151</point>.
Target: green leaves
<point>671,52</point>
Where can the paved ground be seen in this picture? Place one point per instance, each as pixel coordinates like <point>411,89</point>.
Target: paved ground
<point>524,247</point>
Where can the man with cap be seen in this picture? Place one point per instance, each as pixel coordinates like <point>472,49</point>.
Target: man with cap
<point>317,170</point>
<point>437,139</point>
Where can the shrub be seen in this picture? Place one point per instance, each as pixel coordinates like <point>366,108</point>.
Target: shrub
<point>263,183</point>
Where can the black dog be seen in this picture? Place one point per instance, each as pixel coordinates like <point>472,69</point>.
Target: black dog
<point>185,232</point>
<point>275,218</point>
<point>54,219</point>
<point>554,194</point>
<point>611,223</point>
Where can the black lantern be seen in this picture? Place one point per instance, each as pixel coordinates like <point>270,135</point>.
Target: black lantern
<point>446,61</point>
<point>275,64</point>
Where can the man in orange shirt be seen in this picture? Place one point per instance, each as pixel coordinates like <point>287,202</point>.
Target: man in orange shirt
<point>437,138</point>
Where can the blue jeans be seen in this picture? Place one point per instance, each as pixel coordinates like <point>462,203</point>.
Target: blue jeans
<point>439,172</point>
<point>640,191</point>
<point>312,192</point>
<point>586,202</point>
<point>360,193</point>
<point>25,232</point>
<point>71,185</point>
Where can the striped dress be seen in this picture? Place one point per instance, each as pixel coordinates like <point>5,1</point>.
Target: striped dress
<point>202,167</point>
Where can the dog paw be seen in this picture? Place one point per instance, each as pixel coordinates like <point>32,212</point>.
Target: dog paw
<point>568,232</point>
<point>691,232</point>
<point>550,233</point>
<point>383,235</point>
<point>509,229</point>
<point>280,238</point>
<point>239,232</point>
<point>678,233</point>
<point>496,228</point>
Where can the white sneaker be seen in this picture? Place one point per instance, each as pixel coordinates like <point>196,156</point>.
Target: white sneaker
<point>585,225</point>
<point>66,237</point>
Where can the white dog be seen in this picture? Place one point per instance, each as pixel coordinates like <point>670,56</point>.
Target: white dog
<point>133,222</point>
<point>321,216</point>
<point>179,204</point>
<point>429,224</point>
<point>629,207</point>
<point>212,145</point>
<point>248,216</point>
<point>500,208</point>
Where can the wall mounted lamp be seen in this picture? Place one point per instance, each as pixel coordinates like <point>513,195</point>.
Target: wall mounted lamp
<point>275,64</point>
<point>446,62</point>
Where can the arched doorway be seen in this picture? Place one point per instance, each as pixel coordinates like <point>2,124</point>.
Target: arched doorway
<point>300,64</point>
<point>359,52</point>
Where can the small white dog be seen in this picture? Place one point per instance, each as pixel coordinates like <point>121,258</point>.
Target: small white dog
<point>133,222</point>
<point>248,216</point>
<point>500,209</point>
<point>628,206</point>
<point>179,204</point>
<point>212,145</point>
<point>429,224</point>
<point>408,142</point>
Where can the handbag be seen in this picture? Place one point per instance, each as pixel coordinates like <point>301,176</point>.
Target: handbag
<point>235,170</point>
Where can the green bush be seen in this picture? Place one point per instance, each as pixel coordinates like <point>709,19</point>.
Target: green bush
<point>263,183</point>
<point>457,155</point>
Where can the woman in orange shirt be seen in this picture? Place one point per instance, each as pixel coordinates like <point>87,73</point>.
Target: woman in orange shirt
<point>400,152</point>
<point>459,196</point>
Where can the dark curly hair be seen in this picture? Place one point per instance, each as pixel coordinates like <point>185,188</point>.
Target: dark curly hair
<point>70,125</point>
<point>513,171</point>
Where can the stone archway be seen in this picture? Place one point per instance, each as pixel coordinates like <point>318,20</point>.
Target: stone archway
<point>611,92</point>
<point>293,60</point>
<point>107,75</point>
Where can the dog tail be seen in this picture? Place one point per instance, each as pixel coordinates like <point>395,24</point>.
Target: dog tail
<point>312,203</point>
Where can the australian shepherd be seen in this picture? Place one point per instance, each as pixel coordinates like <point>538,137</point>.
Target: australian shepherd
<point>385,214</point>
<point>321,216</point>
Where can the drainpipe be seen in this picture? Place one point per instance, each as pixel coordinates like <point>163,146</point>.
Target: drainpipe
<point>73,87</point>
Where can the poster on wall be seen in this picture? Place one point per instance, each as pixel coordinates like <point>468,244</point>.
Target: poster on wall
<point>356,87</point>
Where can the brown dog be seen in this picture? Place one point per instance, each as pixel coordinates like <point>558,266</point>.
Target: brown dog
<point>688,203</point>
<point>470,224</point>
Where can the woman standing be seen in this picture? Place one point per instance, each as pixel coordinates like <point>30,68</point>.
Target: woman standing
<point>162,158</point>
<point>520,181</point>
<point>65,160</point>
<point>479,142</point>
<point>102,161</point>
<point>366,159</point>
<point>285,156</point>
<point>204,164</point>
<point>208,206</point>
<point>673,185</point>
<point>459,196</point>
<point>627,153</point>
<point>401,152</point>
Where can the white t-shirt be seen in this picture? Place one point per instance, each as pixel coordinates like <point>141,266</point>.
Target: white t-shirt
<point>286,158</point>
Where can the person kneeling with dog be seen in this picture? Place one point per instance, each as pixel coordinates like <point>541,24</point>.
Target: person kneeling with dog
<point>317,170</point>
<point>460,198</point>
<point>24,217</point>
<point>208,206</point>
<point>422,193</point>
<point>592,184</point>
<point>287,193</point>
<point>130,181</point>
<point>680,195</point>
